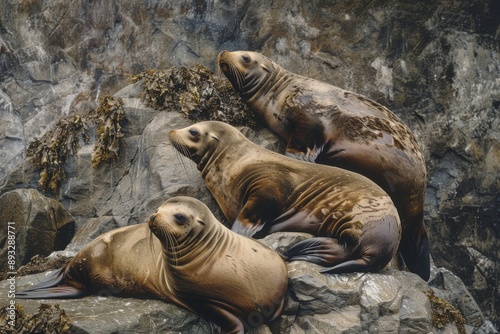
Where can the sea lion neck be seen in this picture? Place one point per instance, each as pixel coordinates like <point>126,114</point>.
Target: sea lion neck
<point>227,148</point>
<point>272,87</point>
<point>205,244</point>
<point>254,86</point>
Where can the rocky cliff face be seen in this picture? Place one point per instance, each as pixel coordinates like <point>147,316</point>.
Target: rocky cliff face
<point>436,66</point>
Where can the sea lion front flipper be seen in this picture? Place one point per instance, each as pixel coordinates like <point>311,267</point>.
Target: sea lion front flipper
<point>220,319</point>
<point>322,251</point>
<point>306,139</point>
<point>414,248</point>
<point>261,207</point>
<point>246,228</point>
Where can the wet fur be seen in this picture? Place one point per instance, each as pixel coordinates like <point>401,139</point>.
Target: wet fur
<point>325,124</point>
<point>200,266</point>
<point>263,192</point>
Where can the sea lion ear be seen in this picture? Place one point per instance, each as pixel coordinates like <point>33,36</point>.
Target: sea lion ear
<point>215,137</point>
<point>201,222</point>
<point>265,68</point>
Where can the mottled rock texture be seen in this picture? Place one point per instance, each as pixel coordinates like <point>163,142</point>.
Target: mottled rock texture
<point>389,302</point>
<point>435,65</point>
<point>40,225</point>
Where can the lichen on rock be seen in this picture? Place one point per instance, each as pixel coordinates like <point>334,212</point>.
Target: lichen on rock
<point>195,92</point>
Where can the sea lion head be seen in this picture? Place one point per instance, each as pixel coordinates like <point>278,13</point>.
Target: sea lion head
<point>246,70</point>
<point>179,220</point>
<point>199,141</point>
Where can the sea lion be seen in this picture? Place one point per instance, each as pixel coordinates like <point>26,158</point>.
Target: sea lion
<point>192,260</point>
<point>260,191</point>
<point>328,125</point>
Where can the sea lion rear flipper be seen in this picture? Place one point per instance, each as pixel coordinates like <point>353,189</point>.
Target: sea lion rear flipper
<point>322,251</point>
<point>64,291</point>
<point>51,280</point>
<point>49,288</point>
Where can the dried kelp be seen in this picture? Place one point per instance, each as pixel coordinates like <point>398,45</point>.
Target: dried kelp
<point>443,313</point>
<point>48,319</point>
<point>109,118</point>
<point>196,92</point>
<point>52,150</point>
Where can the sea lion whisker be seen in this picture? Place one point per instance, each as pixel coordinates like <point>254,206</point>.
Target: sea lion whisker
<point>241,79</point>
<point>218,70</point>
<point>173,244</point>
<point>238,77</point>
<point>182,159</point>
<point>183,155</point>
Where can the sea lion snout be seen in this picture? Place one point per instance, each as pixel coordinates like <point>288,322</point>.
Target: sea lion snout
<point>221,58</point>
<point>152,223</point>
<point>221,54</point>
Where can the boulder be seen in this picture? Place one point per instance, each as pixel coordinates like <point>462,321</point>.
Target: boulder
<point>436,66</point>
<point>41,225</point>
<point>388,302</point>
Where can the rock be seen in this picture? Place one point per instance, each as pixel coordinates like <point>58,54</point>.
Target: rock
<point>41,226</point>
<point>389,302</point>
<point>441,280</point>
<point>435,66</point>
<point>11,136</point>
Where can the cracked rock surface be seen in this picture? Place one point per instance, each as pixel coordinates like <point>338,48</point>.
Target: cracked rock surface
<point>436,66</point>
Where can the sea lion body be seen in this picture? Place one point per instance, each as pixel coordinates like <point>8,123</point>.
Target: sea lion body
<point>263,192</point>
<point>328,125</point>
<point>192,260</point>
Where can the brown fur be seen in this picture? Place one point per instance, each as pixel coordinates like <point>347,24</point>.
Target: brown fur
<point>192,260</point>
<point>263,192</point>
<point>328,125</point>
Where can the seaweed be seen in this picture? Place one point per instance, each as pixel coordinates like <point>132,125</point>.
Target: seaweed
<point>51,152</point>
<point>196,92</point>
<point>109,118</point>
<point>48,319</point>
<point>443,313</point>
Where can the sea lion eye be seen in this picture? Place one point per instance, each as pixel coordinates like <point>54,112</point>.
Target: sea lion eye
<point>246,59</point>
<point>180,218</point>
<point>194,133</point>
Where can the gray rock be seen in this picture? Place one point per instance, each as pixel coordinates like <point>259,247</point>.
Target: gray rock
<point>435,66</point>
<point>11,136</point>
<point>41,226</point>
<point>388,302</point>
